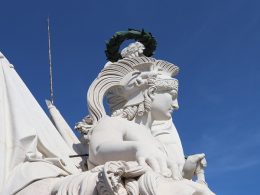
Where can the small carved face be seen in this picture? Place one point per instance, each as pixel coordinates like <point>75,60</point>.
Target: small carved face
<point>163,104</point>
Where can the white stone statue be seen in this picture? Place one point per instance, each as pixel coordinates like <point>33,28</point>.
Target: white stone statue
<point>136,150</point>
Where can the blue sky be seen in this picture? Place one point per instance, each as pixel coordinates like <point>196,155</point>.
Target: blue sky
<point>216,44</point>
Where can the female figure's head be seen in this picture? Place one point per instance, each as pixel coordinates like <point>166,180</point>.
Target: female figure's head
<point>135,87</point>
<point>151,92</point>
<point>163,104</point>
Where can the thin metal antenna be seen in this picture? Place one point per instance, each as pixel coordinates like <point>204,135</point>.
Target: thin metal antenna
<point>50,62</point>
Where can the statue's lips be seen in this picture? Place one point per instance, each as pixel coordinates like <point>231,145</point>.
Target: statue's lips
<point>171,110</point>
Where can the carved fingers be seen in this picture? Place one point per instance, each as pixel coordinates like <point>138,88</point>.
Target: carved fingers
<point>194,163</point>
<point>198,159</point>
<point>164,168</point>
<point>154,160</point>
<point>203,162</point>
<point>150,162</point>
<point>154,164</point>
<point>175,171</point>
<point>141,161</point>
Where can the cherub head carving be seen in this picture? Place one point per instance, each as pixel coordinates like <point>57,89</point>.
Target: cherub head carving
<point>133,50</point>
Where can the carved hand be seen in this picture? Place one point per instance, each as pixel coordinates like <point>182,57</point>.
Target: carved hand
<point>151,157</point>
<point>194,163</point>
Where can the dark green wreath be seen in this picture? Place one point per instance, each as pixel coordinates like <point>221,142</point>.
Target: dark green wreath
<point>113,45</point>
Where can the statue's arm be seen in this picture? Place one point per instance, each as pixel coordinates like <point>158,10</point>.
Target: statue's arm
<point>107,143</point>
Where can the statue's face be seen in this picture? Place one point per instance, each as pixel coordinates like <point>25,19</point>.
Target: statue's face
<point>163,105</point>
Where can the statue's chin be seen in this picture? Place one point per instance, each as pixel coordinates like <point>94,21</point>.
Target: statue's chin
<point>165,117</point>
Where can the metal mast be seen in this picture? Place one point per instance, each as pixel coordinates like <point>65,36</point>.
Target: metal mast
<point>50,62</point>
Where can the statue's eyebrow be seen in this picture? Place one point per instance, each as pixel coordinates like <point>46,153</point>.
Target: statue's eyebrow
<point>173,93</point>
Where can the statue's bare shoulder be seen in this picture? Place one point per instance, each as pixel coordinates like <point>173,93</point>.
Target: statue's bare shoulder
<point>118,128</point>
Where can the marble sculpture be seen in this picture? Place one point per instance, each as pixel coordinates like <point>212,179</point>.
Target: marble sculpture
<point>134,150</point>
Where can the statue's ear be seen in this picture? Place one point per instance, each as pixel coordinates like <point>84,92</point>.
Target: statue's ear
<point>151,92</point>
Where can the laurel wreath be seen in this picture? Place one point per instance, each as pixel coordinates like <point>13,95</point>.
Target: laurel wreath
<point>113,45</point>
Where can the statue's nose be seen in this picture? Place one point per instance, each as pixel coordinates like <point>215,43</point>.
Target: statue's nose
<point>175,104</point>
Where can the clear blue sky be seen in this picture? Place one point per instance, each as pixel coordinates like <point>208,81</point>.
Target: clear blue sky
<point>215,43</point>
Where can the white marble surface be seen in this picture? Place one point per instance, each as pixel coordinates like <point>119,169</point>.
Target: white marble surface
<point>136,150</point>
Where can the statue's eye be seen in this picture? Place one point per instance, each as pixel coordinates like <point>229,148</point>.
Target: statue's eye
<point>174,94</point>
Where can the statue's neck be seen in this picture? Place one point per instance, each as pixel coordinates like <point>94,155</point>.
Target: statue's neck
<point>145,120</point>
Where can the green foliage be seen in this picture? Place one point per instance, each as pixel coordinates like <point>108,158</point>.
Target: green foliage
<point>113,45</point>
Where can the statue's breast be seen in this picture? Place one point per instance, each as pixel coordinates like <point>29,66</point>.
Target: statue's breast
<point>136,132</point>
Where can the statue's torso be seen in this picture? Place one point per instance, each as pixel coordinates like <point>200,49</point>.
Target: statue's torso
<point>125,131</point>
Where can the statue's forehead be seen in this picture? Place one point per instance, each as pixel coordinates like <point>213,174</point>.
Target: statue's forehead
<point>166,83</point>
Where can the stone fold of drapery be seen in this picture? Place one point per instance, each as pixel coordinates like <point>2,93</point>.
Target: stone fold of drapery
<point>31,148</point>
